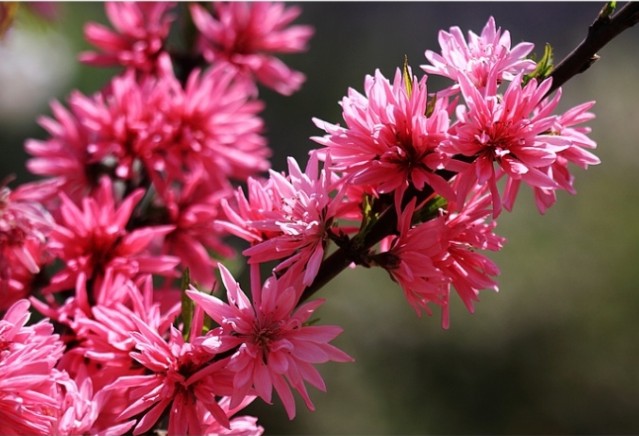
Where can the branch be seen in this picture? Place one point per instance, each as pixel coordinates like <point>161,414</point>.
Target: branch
<point>605,28</point>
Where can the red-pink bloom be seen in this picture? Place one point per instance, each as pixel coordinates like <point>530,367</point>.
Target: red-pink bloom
<point>193,208</point>
<point>469,229</point>
<point>238,426</point>
<point>168,129</point>
<point>275,346</point>
<point>93,238</point>
<point>410,261</point>
<point>28,354</point>
<point>483,58</point>
<point>141,32</point>
<point>568,126</point>
<point>294,224</point>
<point>83,409</point>
<point>427,258</point>
<point>183,380</point>
<point>24,229</point>
<point>513,130</point>
<point>389,143</point>
<point>245,35</point>
<point>71,156</point>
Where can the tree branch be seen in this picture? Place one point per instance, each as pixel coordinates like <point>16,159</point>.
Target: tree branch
<point>605,28</point>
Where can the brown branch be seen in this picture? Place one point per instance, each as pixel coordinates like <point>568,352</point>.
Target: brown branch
<point>605,28</point>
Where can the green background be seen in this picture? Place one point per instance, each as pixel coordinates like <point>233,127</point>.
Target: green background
<point>556,350</point>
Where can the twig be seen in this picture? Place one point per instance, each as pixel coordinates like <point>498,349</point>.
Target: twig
<point>605,28</point>
<point>601,32</point>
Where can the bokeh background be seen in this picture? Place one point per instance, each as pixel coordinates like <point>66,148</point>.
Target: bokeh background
<point>556,351</point>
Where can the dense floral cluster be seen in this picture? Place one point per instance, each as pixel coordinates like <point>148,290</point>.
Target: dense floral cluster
<point>141,189</point>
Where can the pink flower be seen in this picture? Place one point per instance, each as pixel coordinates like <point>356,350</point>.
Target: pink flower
<point>294,224</point>
<point>427,258</point>
<point>93,238</point>
<point>276,347</point>
<point>28,354</point>
<point>211,122</point>
<point>245,35</point>
<point>142,29</point>
<point>238,426</point>
<point>576,153</point>
<point>513,131</point>
<point>410,261</point>
<point>71,156</point>
<point>468,230</point>
<point>484,58</point>
<point>193,209</point>
<point>182,380</point>
<point>83,410</point>
<point>24,229</point>
<point>389,143</point>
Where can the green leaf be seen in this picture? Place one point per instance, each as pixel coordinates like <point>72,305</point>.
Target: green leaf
<point>544,66</point>
<point>607,10</point>
<point>430,209</point>
<point>408,82</point>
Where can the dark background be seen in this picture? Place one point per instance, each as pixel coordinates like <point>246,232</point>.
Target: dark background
<point>556,351</point>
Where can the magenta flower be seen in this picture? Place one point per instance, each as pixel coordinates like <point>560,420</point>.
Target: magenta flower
<point>427,258</point>
<point>238,425</point>
<point>93,238</point>
<point>28,354</point>
<point>467,231</point>
<point>410,261</point>
<point>141,32</point>
<point>568,126</point>
<point>293,220</point>
<point>83,410</point>
<point>212,122</point>
<point>182,381</point>
<point>275,347</point>
<point>483,58</point>
<point>70,157</point>
<point>245,35</point>
<point>24,229</point>
<point>513,131</point>
<point>389,143</point>
<point>193,210</point>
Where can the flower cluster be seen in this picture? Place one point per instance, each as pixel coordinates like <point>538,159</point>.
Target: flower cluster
<point>145,181</point>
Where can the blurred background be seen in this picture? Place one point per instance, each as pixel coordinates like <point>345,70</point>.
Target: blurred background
<point>556,351</point>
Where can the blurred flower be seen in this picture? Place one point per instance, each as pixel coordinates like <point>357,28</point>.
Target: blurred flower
<point>245,35</point>
<point>28,391</point>
<point>141,31</point>
<point>24,229</point>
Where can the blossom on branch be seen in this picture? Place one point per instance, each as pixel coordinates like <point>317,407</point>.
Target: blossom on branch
<point>141,32</point>
<point>94,238</point>
<point>481,58</point>
<point>288,217</point>
<point>244,36</point>
<point>276,347</point>
<point>389,141</point>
